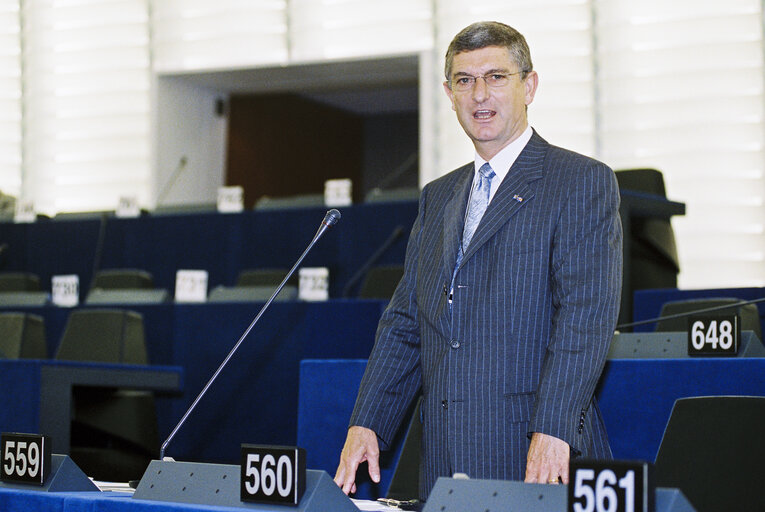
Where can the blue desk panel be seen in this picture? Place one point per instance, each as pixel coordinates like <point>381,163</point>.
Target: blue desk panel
<point>20,396</point>
<point>28,501</point>
<point>255,398</point>
<point>222,244</point>
<point>327,394</point>
<point>635,397</point>
<point>37,394</point>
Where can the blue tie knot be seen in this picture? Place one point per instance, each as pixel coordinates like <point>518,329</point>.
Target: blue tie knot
<point>486,171</point>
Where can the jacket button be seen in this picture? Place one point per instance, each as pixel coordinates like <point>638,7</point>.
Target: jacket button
<point>455,343</point>
<point>445,404</point>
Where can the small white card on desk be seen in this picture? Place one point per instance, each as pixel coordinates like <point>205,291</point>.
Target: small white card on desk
<point>25,211</point>
<point>337,192</point>
<point>191,286</point>
<point>127,207</point>
<point>230,199</point>
<point>65,290</point>
<point>314,284</point>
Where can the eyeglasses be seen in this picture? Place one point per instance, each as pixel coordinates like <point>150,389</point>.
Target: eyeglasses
<point>494,80</point>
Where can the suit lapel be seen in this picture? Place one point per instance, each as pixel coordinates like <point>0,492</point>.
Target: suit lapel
<point>454,215</point>
<point>515,191</point>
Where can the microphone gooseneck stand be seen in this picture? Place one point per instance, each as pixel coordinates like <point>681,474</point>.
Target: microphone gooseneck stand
<point>330,219</point>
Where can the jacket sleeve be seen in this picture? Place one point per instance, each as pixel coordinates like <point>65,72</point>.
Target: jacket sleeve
<point>393,374</point>
<point>586,277</point>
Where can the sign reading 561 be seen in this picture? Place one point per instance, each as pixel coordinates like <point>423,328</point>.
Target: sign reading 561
<point>610,486</point>
<point>26,458</point>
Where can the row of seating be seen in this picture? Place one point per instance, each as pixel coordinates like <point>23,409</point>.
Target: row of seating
<point>376,195</point>
<point>135,286</point>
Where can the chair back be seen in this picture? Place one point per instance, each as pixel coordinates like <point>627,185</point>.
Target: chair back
<point>22,336</point>
<point>263,277</point>
<point>380,282</point>
<point>104,336</point>
<point>712,450</point>
<point>19,282</point>
<point>123,278</point>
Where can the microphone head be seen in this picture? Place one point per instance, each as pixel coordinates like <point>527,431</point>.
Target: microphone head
<point>331,218</point>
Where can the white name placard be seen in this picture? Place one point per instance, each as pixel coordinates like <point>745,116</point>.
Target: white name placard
<point>191,286</point>
<point>230,199</point>
<point>65,290</point>
<point>25,211</point>
<point>127,207</point>
<point>314,284</point>
<point>337,192</point>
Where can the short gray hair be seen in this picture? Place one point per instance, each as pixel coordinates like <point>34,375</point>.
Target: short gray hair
<point>490,33</point>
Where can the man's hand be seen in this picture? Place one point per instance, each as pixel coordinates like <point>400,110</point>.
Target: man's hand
<point>360,446</point>
<point>547,460</point>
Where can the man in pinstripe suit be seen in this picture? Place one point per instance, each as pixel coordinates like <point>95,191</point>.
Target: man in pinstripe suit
<point>505,336</point>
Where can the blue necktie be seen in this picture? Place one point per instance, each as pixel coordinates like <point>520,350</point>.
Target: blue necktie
<point>479,200</point>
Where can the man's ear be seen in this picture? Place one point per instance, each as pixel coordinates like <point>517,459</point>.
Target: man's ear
<point>531,82</point>
<point>449,93</point>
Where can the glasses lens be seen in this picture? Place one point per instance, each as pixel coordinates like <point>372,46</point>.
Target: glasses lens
<point>464,83</point>
<point>496,80</point>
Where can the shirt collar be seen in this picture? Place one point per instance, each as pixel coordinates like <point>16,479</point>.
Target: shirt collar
<point>503,160</point>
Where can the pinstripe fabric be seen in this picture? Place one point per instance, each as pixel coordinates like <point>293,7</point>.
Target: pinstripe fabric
<point>535,304</point>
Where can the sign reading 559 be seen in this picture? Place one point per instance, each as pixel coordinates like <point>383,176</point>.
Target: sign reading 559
<point>25,458</point>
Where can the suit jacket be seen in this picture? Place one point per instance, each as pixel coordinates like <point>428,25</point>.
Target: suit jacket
<point>524,341</point>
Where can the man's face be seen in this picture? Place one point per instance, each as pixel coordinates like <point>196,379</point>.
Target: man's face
<point>491,116</point>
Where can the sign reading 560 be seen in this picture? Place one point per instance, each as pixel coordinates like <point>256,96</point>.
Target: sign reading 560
<point>272,474</point>
<point>26,458</point>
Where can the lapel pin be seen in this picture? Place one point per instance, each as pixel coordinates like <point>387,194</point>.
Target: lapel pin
<point>518,198</point>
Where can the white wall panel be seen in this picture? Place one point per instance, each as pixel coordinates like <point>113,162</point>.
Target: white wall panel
<point>338,29</point>
<point>681,90</point>
<point>10,98</point>
<point>87,103</point>
<point>192,35</point>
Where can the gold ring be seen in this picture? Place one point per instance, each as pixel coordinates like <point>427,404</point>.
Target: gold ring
<point>553,480</point>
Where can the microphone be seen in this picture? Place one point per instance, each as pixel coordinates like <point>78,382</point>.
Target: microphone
<point>173,178</point>
<point>397,232</point>
<point>690,313</point>
<point>99,250</point>
<point>330,219</point>
<point>3,250</point>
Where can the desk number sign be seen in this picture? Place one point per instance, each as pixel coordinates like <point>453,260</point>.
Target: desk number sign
<point>26,458</point>
<point>610,486</point>
<point>272,474</point>
<point>713,335</point>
